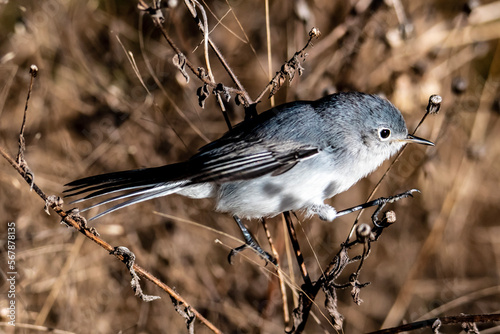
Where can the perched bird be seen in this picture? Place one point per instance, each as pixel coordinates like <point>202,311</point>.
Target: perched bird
<point>291,157</point>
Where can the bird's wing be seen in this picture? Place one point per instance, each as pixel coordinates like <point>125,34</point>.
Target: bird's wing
<point>246,161</point>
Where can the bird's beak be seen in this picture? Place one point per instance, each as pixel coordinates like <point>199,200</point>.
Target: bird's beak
<point>417,140</point>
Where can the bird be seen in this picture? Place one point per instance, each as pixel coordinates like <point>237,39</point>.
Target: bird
<point>289,158</point>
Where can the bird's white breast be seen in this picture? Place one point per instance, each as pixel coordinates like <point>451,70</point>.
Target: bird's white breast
<point>308,183</point>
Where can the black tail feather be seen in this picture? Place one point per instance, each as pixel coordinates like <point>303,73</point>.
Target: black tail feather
<point>103,184</point>
<point>144,196</point>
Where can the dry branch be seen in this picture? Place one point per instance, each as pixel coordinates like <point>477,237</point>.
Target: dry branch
<point>437,322</point>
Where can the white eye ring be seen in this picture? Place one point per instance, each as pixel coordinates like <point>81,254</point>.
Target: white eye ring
<point>384,133</point>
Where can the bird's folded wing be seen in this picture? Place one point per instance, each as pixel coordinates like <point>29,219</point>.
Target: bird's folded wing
<point>247,162</point>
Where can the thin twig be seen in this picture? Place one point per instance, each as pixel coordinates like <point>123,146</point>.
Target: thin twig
<point>279,273</point>
<point>455,319</point>
<point>203,25</point>
<point>296,248</point>
<point>269,53</point>
<point>22,142</point>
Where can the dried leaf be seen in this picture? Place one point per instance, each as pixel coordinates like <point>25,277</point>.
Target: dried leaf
<point>356,288</point>
<point>331,306</point>
<point>277,83</point>
<point>129,259</point>
<point>179,61</point>
<point>203,93</point>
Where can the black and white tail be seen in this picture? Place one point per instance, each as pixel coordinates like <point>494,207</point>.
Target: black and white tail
<point>140,184</point>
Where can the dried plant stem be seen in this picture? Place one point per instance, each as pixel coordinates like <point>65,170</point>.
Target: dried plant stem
<point>203,25</point>
<point>296,248</point>
<point>431,323</point>
<point>198,73</point>
<point>269,53</point>
<point>178,51</point>
<point>228,69</point>
<point>22,144</point>
<point>365,235</point>
<point>279,274</point>
<point>159,84</point>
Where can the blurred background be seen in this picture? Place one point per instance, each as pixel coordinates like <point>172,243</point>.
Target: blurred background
<point>89,113</point>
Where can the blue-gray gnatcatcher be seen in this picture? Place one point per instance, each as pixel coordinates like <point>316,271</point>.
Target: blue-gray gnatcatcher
<point>291,157</point>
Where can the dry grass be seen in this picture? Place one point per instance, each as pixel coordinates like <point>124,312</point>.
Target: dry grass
<point>90,114</point>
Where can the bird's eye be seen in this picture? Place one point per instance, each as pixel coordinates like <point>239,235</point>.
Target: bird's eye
<point>384,133</point>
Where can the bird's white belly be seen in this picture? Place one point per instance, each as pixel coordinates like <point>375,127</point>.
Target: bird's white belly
<point>295,189</point>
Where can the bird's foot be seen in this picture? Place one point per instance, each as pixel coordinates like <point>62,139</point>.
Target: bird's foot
<point>250,242</point>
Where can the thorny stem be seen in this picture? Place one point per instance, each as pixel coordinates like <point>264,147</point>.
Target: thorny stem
<point>314,33</point>
<point>22,142</point>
